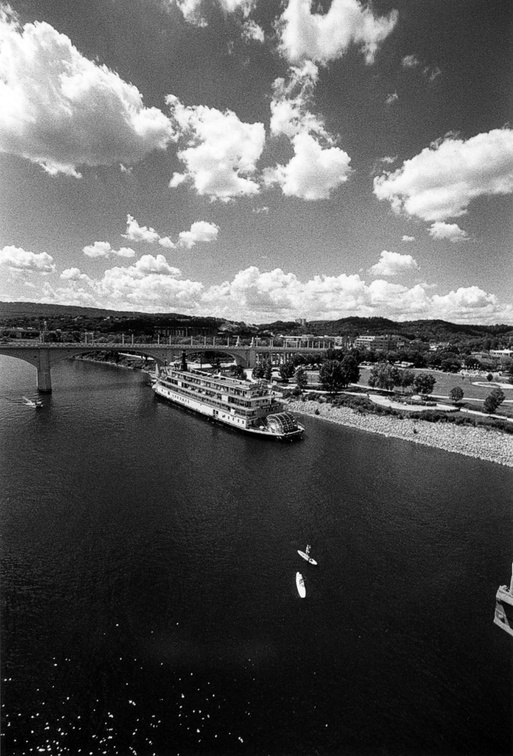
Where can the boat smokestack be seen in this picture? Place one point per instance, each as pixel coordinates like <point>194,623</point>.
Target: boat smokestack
<point>184,362</point>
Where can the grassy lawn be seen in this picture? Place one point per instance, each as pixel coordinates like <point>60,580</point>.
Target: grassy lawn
<point>446,381</point>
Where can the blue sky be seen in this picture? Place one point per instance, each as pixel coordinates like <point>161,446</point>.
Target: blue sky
<point>258,160</point>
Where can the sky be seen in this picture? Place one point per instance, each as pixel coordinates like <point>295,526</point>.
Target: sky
<point>257,160</point>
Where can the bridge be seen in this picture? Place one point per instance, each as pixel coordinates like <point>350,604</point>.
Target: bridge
<point>44,355</point>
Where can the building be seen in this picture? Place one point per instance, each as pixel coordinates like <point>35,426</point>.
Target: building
<point>383,342</point>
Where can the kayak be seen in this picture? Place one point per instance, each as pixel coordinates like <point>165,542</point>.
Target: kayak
<point>300,583</point>
<point>306,556</point>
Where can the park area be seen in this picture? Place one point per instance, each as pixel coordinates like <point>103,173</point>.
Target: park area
<point>475,389</point>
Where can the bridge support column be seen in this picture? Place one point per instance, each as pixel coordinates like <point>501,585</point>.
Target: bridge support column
<point>44,376</point>
<point>251,357</point>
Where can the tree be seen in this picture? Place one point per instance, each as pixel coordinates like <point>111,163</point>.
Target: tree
<point>406,378</point>
<point>384,376</point>
<point>490,404</point>
<point>424,383</point>
<point>300,378</point>
<point>350,369</point>
<point>258,372</point>
<point>286,371</point>
<point>498,395</point>
<point>331,375</point>
<point>456,394</point>
<point>268,370</point>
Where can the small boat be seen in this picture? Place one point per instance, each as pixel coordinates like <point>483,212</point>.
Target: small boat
<point>300,584</point>
<point>504,607</point>
<point>306,554</point>
<point>32,402</point>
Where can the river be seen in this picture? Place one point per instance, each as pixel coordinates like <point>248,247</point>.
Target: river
<point>148,591</point>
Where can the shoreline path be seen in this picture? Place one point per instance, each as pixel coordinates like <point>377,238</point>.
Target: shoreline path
<point>482,443</point>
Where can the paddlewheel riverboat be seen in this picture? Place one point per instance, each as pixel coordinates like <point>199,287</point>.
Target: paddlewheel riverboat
<point>247,406</point>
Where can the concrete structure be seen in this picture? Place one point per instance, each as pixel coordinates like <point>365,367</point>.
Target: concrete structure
<point>44,356</point>
<point>375,342</point>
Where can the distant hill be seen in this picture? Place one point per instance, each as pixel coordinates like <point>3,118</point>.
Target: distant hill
<point>35,310</point>
<point>439,330</point>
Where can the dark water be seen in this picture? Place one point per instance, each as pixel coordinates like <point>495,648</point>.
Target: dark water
<point>148,584</point>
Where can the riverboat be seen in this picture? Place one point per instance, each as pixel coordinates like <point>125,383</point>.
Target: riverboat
<point>247,406</point>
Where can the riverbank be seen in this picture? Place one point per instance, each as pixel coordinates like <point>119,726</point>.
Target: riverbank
<point>481,443</point>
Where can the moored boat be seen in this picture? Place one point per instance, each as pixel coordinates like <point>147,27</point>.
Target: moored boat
<point>247,406</point>
<point>300,585</point>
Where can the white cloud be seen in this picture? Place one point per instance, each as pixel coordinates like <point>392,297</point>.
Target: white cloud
<point>61,110</point>
<point>138,233</point>
<point>166,242</point>
<point>406,238</point>
<point>103,249</point>
<point>410,61</point>
<point>313,173</point>
<point>450,231</point>
<point>393,264</point>
<point>201,231</point>
<point>290,104</point>
<point>442,180</point>
<point>194,11</point>
<point>18,260</point>
<point>74,274</point>
<point>393,97</point>
<point>470,304</point>
<point>324,37</point>
<point>252,32</point>
<point>221,151</point>
<point>151,284</point>
<point>135,232</point>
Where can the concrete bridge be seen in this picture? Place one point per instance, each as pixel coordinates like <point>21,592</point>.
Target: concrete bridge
<point>44,355</point>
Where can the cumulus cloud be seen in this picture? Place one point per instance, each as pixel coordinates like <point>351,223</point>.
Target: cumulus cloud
<point>252,32</point>
<point>103,249</point>
<point>74,274</point>
<point>61,110</point>
<point>313,173</point>
<point>201,231</point>
<point>194,11</point>
<point>151,284</point>
<point>221,151</point>
<point>138,233</point>
<point>442,180</point>
<point>135,232</point>
<point>393,97</point>
<point>325,37</point>
<point>18,260</point>
<point>393,264</point>
<point>291,101</point>
<point>450,231</point>
<point>406,238</point>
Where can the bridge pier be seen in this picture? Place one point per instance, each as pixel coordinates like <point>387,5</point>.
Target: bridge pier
<point>44,376</point>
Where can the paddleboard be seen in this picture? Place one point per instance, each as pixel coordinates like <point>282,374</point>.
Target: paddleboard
<point>300,583</point>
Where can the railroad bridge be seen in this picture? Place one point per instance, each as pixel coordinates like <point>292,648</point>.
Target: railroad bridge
<point>44,355</point>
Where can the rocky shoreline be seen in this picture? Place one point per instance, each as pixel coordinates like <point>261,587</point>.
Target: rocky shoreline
<point>482,443</point>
